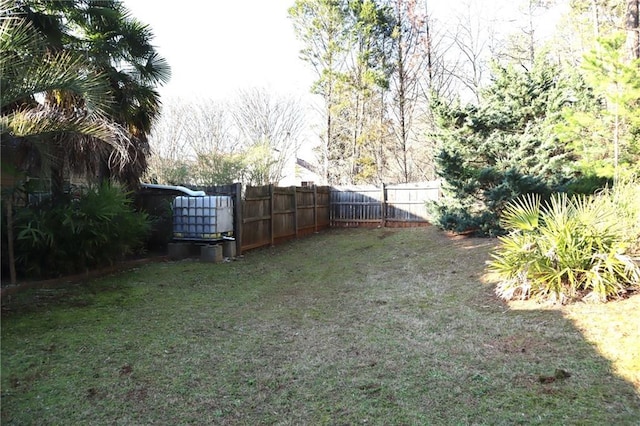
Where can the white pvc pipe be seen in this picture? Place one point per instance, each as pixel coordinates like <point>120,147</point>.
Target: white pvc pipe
<point>187,191</point>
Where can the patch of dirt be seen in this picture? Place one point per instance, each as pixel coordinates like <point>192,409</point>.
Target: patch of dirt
<point>126,370</point>
<point>138,395</point>
<point>386,234</point>
<point>93,394</point>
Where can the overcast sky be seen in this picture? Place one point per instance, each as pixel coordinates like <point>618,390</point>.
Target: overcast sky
<point>215,47</point>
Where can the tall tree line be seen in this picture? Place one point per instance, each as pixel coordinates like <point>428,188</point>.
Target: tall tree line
<point>373,62</point>
<point>382,65</point>
<point>253,139</point>
<point>378,65</point>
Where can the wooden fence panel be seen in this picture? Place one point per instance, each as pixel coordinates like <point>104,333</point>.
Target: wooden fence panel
<point>306,208</point>
<point>256,220</point>
<point>323,207</point>
<point>284,213</point>
<point>388,205</point>
<point>274,214</point>
<point>353,206</point>
<point>407,203</point>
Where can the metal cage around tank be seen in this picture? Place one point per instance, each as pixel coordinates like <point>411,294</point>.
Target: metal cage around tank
<point>202,218</point>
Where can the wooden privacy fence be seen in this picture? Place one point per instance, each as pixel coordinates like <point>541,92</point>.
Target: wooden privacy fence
<point>262,215</point>
<point>272,214</point>
<point>400,205</point>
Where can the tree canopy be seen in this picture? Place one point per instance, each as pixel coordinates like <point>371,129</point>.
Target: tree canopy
<point>492,152</point>
<point>79,87</point>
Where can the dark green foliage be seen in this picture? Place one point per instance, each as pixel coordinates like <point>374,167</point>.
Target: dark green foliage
<point>506,146</point>
<point>588,184</point>
<point>160,217</point>
<point>104,58</point>
<point>97,229</point>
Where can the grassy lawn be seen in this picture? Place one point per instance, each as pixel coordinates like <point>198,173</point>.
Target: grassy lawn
<point>345,327</point>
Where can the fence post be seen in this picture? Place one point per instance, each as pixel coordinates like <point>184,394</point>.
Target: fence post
<point>315,209</point>
<point>272,203</point>
<point>238,217</point>
<point>383,206</point>
<point>295,209</point>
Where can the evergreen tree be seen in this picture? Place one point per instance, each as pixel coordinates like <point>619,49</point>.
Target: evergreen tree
<point>505,146</point>
<point>606,131</point>
<point>320,26</point>
<point>346,43</point>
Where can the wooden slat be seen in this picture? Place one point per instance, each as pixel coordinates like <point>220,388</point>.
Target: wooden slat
<point>357,220</point>
<point>256,219</point>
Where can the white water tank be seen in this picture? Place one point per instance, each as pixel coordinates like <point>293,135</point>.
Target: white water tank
<point>202,218</point>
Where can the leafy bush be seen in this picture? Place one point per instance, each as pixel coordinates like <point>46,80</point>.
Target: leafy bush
<point>96,229</point>
<point>568,248</point>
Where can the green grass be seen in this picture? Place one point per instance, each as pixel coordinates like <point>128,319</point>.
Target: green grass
<point>349,326</point>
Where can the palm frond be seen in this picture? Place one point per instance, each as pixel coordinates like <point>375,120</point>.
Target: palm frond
<point>38,125</point>
<point>155,69</point>
<point>522,214</point>
<point>27,68</point>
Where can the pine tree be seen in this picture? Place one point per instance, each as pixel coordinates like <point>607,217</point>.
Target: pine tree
<point>505,146</point>
<point>606,132</point>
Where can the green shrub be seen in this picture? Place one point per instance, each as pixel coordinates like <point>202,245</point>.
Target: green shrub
<point>568,248</point>
<point>473,204</point>
<point>97,229</point>
<point>587,184</point>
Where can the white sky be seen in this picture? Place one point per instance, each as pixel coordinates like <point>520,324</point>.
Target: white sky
<point>215,47</point>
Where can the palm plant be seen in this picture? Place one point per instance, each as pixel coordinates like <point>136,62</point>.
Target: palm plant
<point>565,249</point>
<point>29,70</point>
<point>119,48</point>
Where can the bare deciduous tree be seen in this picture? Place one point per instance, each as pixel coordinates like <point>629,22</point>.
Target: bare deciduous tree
<point>413,81</point>
<point>275,122</point>
<point>185,131</point>
<point>469,37</point>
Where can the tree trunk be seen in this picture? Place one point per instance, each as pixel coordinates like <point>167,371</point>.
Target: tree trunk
<point>402,97</point>
<point>104,174</point>
<point>596,19</point>
<point>327,175</point>
<point>429,47</point>
<point>633,29</point>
